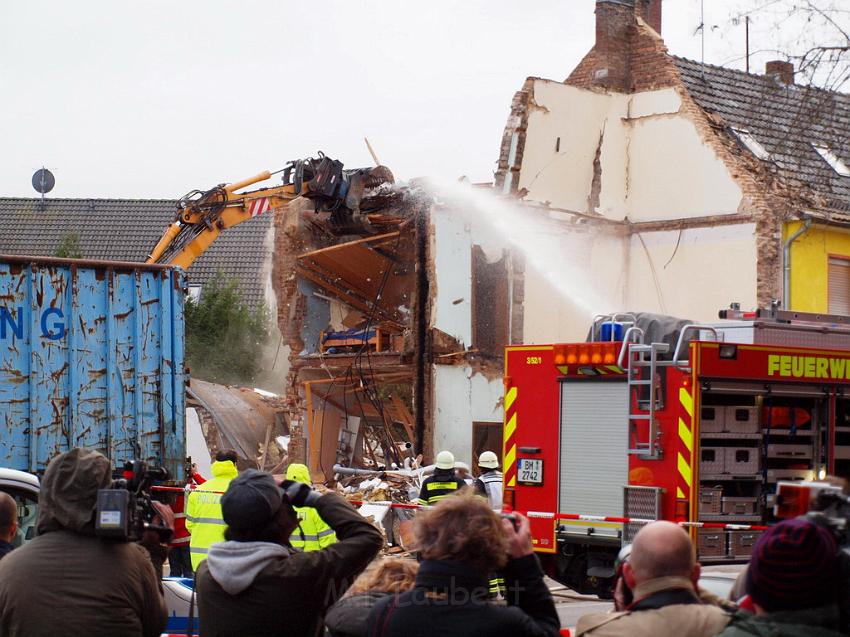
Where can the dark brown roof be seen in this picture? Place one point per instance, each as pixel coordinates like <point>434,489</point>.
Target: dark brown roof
<point>126,230</point>
<point>785,120</point>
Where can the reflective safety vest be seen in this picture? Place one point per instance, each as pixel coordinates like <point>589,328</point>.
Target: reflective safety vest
<point>203,511</point>
<point>439,486</point>
<point>313,533</point>
<point>492,481</point>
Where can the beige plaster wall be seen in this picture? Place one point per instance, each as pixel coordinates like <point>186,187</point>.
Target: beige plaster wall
<point>652,163</point>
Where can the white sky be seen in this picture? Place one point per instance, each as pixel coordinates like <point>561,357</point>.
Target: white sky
<point>156,98</point>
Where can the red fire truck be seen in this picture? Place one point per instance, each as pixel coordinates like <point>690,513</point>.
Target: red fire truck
<point>696,427</point>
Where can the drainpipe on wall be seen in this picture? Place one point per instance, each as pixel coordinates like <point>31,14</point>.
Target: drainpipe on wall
<point>786,260</point>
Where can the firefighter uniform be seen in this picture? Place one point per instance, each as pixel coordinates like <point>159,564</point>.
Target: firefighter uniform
<point>439,486</point>
<point>491,482</point>
<point>313,533</point>
<point>203,511</point>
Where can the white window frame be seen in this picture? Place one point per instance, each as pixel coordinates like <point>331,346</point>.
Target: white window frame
<point>751,143</point>
<point>835,162</point>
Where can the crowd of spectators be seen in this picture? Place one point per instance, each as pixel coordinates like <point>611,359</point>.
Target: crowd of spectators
<point>255,582</point>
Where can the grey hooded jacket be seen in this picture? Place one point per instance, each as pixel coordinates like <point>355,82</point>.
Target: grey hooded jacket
<point>66,581</point>
<point>248,589</point>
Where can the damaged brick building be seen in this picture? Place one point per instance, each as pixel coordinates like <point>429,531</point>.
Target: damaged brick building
<point>691,185</point>
<point>395,334</point>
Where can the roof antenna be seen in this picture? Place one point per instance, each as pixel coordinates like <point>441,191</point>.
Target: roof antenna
<point>43,182</point>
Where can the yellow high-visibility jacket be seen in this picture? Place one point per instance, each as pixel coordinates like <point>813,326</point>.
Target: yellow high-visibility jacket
<point>203,511</point>
<point>313,533</point>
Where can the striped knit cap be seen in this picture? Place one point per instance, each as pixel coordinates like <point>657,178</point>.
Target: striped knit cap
<point>794,566</point>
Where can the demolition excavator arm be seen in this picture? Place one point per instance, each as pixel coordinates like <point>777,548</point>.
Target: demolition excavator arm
<point>203,215</point>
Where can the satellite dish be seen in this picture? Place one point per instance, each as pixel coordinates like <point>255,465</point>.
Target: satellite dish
<point>43,181</point>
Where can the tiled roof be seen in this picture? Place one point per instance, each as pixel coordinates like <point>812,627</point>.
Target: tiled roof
<point>785,120</point>
<point>127,230</point>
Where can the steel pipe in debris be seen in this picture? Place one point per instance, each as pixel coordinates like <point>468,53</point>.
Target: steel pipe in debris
<point>351,471</point>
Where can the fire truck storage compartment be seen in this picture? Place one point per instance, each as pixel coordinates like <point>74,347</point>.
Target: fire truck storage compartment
<point>710,499</point>
<point>594,442</point>
<point>712,461</point>
<point>713,418</point>
<point>711,543</point>
<point>741,542</point>
<point>739,506</point>
<point>741,461</point>
<point>770,432</point>
<point>741,419</point>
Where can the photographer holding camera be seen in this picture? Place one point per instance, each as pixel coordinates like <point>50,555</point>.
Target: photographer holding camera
<point>256,583</point>
<point>462,541</point>
<point>67,581</point>
<point>657,593</point>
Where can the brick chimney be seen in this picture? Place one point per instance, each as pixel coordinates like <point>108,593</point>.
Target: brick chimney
<point>650,11</point>
<point>781,71</point>
<point>614,21</point>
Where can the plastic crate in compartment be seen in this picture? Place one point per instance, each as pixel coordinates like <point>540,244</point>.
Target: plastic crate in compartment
<point>712,460</point>
<point>711,419</point>
<point>742,420</point>
<point>802,452</point>
<point>741,542</point>
<point>709,500</point>
<point>742,461</point>
<point>775,475</point>
<point>711,543</point>
<point>739,506</point>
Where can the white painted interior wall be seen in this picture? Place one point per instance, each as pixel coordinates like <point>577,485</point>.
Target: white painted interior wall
<point>461,398</point>
<point>654,165</point>
<point>687,277</point>
<point>451,245</point>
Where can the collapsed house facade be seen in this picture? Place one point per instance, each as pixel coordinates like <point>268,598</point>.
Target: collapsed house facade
<point>691,186</point>
<point>395,335</point>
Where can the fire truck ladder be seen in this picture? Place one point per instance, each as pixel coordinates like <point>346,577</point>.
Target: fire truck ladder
<point>637,360</point>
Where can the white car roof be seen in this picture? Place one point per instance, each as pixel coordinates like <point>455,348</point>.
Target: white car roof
<point>18,479</point>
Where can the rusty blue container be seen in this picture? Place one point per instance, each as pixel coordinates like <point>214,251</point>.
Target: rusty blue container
<point>91,355</point>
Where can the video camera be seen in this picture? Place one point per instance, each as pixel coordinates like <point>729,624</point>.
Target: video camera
<point>827,505</point>
<point>823,503</point>
<point>124,511</point>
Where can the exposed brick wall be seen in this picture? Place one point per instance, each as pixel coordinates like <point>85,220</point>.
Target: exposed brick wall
<point>517,125</point>
<point>648,63</point>
<point>650,12</point>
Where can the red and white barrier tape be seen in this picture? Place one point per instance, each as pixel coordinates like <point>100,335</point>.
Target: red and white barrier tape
<point>549,516</point>
<point>622,520</point>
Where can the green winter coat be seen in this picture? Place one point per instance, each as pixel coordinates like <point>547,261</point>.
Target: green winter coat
<point>815,622</point>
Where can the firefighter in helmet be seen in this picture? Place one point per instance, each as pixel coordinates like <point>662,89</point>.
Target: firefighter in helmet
<point>313,533</point>
<point>443,482</point>
<point>489,483</point>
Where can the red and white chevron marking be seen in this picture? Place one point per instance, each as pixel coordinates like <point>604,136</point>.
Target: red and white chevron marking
<point>259,206</point>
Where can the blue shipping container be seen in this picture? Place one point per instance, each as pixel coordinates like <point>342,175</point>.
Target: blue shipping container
<point>91,355</point>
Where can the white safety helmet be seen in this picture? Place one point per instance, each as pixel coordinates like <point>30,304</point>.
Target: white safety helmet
<point>445,460</point>
<point>488,460</point>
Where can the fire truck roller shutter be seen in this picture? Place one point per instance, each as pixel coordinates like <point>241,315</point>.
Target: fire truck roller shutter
<point>594,451</point>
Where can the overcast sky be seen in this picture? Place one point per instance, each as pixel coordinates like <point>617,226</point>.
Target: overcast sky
<point>155,98</point>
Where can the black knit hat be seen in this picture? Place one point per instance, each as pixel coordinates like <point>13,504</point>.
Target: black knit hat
<point>251,501</point>
<point>793,566</point>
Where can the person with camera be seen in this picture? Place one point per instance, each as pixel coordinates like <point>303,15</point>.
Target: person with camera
<point>793,583</point>
<point>68,582</point>
<point>461,541</point>
<point>256,583</point>
<point>8,523</point>
<point>203,507</point>
<point>657,593</point>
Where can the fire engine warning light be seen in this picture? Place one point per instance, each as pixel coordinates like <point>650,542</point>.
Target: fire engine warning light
<point>587,353</point>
